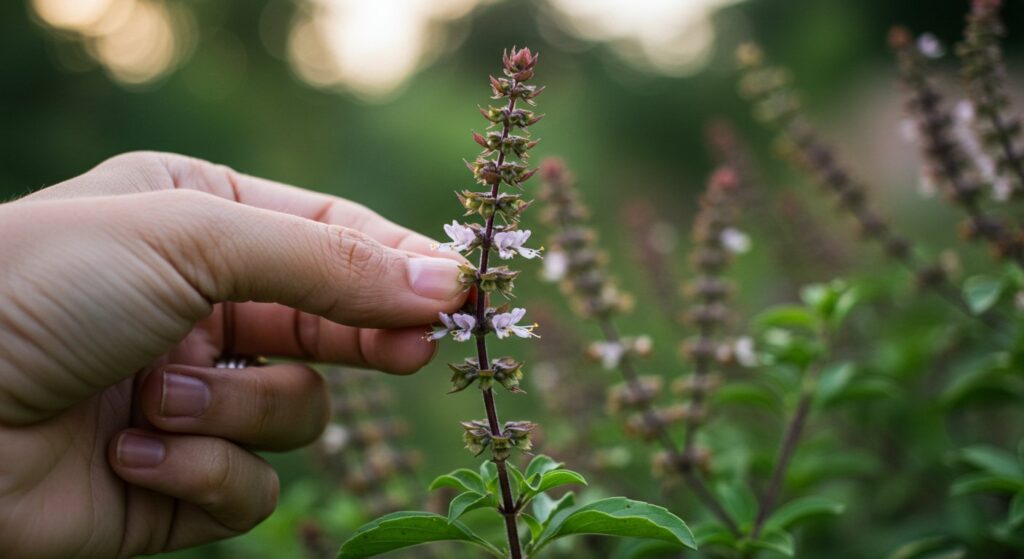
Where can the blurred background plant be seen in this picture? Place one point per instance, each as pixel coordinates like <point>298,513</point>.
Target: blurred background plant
<point>916,427</point>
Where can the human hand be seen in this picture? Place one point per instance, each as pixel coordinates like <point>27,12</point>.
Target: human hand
<point>119,438</point>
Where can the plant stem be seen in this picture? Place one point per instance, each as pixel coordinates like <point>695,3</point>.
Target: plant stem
<point>508,508</point>
<point>828,170</point>
<point>790,439</point>
<point>680,461</point>
<point>700,371</point>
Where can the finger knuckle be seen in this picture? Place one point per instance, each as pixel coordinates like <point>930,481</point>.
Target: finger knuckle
<point>132,159</point>
<point>361,259</point>
<point>265,409</point>
<point>219,476</point>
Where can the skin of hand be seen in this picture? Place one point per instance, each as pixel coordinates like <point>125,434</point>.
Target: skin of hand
<point>118,436</point>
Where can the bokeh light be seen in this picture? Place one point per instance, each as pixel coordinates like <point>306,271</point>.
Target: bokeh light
<point>135,41</point>
<point>368,48</point>
<point>664,36</point>
<point>372,48</point>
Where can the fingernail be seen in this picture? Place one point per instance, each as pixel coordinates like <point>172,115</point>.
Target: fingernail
<point>436,278</point>
<point>139,451</point>
<point>183,396</point>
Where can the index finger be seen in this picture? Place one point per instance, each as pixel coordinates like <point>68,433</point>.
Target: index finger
<point>138,172</point>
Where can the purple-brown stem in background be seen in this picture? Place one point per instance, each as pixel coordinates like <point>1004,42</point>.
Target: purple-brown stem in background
<point>943,153</point>
<point>575,261</point>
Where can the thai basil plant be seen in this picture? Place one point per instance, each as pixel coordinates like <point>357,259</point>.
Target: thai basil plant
<point>521,499</point>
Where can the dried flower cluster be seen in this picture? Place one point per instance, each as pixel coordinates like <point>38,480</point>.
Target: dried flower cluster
<point>715,240</point>
<point>358,448</point>
<point>584,278</point>
<point>806,248</point>
<point>503,161</point>
<point>777,104</point>
<point>947,162</point>
<point>984,74</point>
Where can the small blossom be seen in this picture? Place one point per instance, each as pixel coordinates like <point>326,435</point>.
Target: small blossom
<point>556,265</point>
<point>506,324</point>
<point>930,46</point>
<point>463,238</point>
<point>609,353</point>
<point>459,325</point>
<point>908,129</point>
<point>734,240</point>
<point>963,128</point>
<point>508,243</point>
<point>744,351</point>
<point>335,438</point>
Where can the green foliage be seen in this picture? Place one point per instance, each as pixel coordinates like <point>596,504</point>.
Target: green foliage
<point>619,517</point>
<point>406,529</point>
<point>551,519</point>
<point>982,292</point>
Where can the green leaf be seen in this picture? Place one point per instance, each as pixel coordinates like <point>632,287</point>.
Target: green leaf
<point>846,302</point>
<point>545,508</point>
<point>745,394</point>
<point>1016,518</point>
<point>777,541</point>
<point>1020,455</point>
<point>800,509</point>
<point>820,296</point>
<point>739,500</point>
<point>399,530</point>
<point>470,500</point>
<point>645,549</point>
<point>489,473</point>
<point>986,483</point>
<point>992,460</point>
<point>536,528</point>
<point>981,374</point>
<point>926,547</point>
<point>518,480</point>
<point>541,465</point>
<point>461,479</point>
<point>786,316</point>
<point>556,478</point>
<point>622,517</point>
<point>982,292</point>
<point>834,379</point>
<point>713,533</point>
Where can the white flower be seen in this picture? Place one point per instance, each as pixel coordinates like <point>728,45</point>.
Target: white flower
<point>335,438</point>
<point>510,242</point>
<point>609,353</point>
<point>463,238</point>
<point>963,127</point>
<point>459,325</point>
<point>642,346</point>
<point>506,324</point>
<point>746,354</point>
<point>734,240</point>
<point>930,46</point>
<point>1002,190</point>
<point>908,129</point>
<point>556,264</point>
<point>964,111</point>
